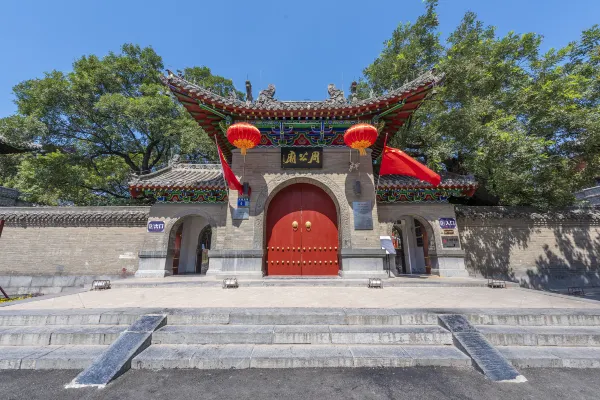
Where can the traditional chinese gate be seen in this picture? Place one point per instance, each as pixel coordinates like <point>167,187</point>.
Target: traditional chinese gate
<point>302,232</point>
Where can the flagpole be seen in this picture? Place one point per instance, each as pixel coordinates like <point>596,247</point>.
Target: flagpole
<point>221,164</point>
<point>382,154</point>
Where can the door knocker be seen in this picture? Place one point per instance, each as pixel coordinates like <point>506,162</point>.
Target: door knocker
<point>307,225</point>
<point>295,225</point>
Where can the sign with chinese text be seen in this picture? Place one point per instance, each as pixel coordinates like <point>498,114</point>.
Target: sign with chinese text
<point>241,213</point>
<point>156,226</point>
<point>447,223</point>
<point>243,201</point>
<point>448,232</point>
<point>363,219</point>
<point>301,157</point>
<point>450,242</point>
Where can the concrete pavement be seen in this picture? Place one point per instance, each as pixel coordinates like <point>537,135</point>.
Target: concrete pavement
<point>310,383</point>
<point>347,297</point>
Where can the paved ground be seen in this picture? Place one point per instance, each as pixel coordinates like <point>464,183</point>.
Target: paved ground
<point>349,297</point>
<point>391,383</point>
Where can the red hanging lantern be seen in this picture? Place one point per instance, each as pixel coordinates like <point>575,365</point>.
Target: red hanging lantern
<point>243,135</point>
<point>360,136</point>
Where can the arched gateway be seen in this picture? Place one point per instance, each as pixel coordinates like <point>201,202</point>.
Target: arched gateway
<point>302,232</point>
<point>303,201</point>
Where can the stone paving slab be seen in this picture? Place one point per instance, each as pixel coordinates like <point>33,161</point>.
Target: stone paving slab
<point>312,297</point>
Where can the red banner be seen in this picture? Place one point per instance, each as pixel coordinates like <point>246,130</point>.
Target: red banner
<point>230,178</point>
<point>397,162</point>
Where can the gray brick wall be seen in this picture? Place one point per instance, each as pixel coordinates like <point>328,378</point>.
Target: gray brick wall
<point>536,250</point>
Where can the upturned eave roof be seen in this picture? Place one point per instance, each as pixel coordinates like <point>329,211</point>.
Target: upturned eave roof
<point>392,109</point>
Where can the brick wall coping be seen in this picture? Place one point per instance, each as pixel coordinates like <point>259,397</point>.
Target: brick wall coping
<point>75,216</point>
<point>589,214</point>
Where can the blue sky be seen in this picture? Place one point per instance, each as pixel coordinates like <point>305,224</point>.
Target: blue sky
<point>300,46</point>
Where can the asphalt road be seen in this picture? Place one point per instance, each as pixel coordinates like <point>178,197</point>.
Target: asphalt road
<point>290,384</point>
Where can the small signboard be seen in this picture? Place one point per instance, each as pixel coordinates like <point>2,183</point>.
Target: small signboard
<point>243,201</point>
<point>301,157</point>
<point>448,232</point>
<point>363,219</point>
<point>387,245</point>
<point>447,223</point>
<point>449,242</point>
<point>156,226</point>
<point>241,213</point>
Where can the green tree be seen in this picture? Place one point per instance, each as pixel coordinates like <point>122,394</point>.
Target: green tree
<point>522,122</point>
<point>108,118</point>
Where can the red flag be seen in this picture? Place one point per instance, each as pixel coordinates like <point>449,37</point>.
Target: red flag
<point>397,162</point>
<point>230,178</point>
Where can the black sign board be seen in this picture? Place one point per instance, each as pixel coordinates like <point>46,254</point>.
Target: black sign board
<point>301,157</point>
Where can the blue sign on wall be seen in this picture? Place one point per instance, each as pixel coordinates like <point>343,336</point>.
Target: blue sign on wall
<point>243,202</point>
<point>156,226</point>
<point>447,223</point>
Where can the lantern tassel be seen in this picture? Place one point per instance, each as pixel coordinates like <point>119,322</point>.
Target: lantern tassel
<point>362,152</point>
<point>243,150</point>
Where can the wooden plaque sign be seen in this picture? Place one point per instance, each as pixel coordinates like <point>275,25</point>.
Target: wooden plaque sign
<point>301,157</point>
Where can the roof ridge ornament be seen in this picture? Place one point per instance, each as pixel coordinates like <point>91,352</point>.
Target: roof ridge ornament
<point>266,97</point>
<point>336,96</point>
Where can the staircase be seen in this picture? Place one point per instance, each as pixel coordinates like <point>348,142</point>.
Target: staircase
<point>219,338</point>
<point>291,338</point>
<point>63,340</point>
<point>545,339</point>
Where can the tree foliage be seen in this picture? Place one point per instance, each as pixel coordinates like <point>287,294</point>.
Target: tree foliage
<point>107,119</point>
<point>525,124</point>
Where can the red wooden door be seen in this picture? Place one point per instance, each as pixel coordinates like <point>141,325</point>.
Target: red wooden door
<point>283,241</point>
<point>312,247</point>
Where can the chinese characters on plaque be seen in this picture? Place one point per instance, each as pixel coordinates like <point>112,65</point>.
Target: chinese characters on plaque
<point>301,157</point>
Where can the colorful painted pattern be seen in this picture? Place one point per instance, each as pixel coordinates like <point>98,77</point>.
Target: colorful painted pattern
<point>417,195</point>
<point>187,195</point>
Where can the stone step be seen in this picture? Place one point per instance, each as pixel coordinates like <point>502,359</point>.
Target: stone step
<point>551,356</point>
<point>508,335</point>
<point>59,335</point>
<point>48,357</point>
<point>301,316</point>
<point>66,317</point>
<point>302,334</point>
<point>242,356</point>
<point>534,317</point>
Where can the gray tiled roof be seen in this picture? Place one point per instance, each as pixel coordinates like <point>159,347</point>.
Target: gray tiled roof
<point>448,180</point>
<point>272,104</point>
<point>183,175</point>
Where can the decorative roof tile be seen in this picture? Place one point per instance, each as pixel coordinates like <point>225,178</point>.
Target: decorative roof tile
<point>75,216</point>
<point>183,176</point>
<point>449,180</point>
<point>266,100</point>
